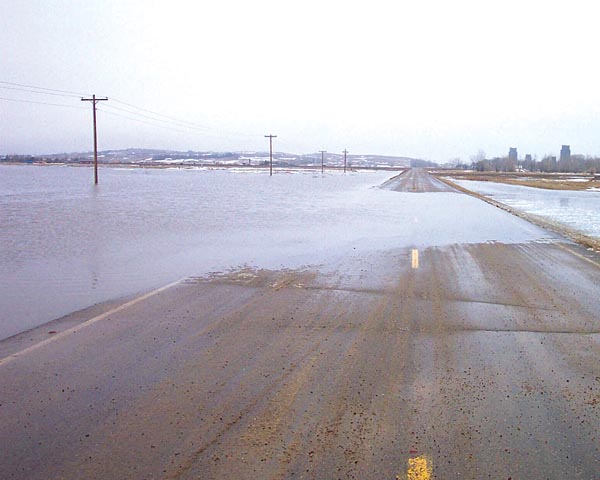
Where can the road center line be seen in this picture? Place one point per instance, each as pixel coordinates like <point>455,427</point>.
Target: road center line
<point>419,468</point>
<point>87,323</point>
<point>415,258</point>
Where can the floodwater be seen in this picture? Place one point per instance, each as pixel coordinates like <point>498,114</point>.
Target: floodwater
<point>579,210</point>
<point>66,244</point>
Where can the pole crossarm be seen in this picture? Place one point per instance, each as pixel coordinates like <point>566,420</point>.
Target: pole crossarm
<point>94,99</point>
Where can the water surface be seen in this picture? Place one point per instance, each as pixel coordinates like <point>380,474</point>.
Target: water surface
<point>66,244</point>
<point>577,209</point>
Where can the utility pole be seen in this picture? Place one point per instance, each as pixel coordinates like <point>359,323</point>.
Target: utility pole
<point>345,153</point>
<point>270,137</point>
<point>322,161</point>
<point>94,101</point>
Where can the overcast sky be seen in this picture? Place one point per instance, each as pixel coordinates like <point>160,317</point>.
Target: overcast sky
<point>427,79</point>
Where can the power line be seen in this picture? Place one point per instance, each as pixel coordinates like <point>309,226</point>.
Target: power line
<point>195,130</point>
<point>178,123</point>
<point>183,122</point>
<point>42,103</point>
<point>139,121</point>
<point>78,94</point>
<point>38,92</point>
<point>69,93</point>
<point>166,127</point>
<point>152,112</point>
<point>164,118</point>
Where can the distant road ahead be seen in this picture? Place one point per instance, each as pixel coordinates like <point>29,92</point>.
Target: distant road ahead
<point>471,361</point>
<point>416,180</point>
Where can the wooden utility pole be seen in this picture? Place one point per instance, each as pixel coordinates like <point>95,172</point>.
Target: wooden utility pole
<point>271,137</point>
<point>345,153</point>
<point>322,161</point>
<point>94,101</point>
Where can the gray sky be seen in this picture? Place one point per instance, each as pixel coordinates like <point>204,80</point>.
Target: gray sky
<point>428,79</point>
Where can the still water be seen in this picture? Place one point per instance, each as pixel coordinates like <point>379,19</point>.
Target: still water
<point>66,244</point>
<point>578,210</point>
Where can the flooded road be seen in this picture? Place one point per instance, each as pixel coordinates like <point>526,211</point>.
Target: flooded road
<point>66,244</point>
<point>417,358</point>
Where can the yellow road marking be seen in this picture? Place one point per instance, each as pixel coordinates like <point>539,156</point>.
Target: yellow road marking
<point>415,258</point>
<point>418,469</point>
<point>87,323</point>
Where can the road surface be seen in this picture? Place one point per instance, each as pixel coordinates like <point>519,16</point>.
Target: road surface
<point>465,361</point>
<point>416,180</point>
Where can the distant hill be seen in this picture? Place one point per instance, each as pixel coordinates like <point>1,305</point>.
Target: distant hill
<point>142,156</point>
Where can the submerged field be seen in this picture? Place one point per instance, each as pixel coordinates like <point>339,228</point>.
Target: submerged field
<point>578,211</point>
<point>549,181</point>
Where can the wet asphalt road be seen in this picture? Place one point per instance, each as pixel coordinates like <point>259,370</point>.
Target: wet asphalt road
<point>416,180</point>
<point>467,361</point>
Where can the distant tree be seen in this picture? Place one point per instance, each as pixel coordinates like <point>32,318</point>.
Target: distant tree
<point>422,163</point>
<point>529,164</point>
<point>484,166</point>
<point>478,157</point>
<point>548,164</point>
<point>457,163</point>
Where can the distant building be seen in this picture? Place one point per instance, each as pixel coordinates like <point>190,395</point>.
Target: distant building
<point>512,153</point>
<point>528,157</point>
<point>565,153</point>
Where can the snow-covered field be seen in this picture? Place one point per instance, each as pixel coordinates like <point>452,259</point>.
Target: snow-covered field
<point>65,244</point>
<point>578,210</point>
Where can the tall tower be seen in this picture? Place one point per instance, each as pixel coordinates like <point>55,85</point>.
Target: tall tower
<point>512,153</point>
<point>565,153</point>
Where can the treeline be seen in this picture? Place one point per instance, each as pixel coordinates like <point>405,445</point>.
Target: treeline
<point>416,163</point>
<point>35,158</point>
<point>548,164</point>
